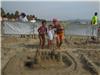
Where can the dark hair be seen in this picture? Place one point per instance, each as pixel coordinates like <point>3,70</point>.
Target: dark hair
<point>95,13</point>
<point>23,14</point>
<point>50,25</point>
<point>43,21</point>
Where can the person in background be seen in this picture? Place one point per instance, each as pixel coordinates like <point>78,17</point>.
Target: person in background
<point>33,19</point>
<point>94,23</point>
<point>42,30</point>
<point>59,32</point>
<point>35,28</point>
<point>23,17</point>
<point>50,35</point>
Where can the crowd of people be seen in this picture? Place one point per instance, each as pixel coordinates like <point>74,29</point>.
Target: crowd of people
<point>54,31</point>
<point>21,17</point>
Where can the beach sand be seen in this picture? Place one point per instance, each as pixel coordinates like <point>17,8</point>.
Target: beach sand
<point>16,51</point>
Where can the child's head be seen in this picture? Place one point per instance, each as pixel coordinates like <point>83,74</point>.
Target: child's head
<point>43,22</point>
<point>95,13</point>
<point>55,22</point>
<point>50,26</point>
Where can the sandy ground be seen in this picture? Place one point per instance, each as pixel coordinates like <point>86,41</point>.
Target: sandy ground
<point>16,50</point>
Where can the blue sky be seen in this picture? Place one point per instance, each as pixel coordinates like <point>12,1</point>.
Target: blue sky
<point>61,10</point>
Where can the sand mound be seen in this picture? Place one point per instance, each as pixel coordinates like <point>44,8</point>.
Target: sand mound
<point>20,57</point>
<point>29,63</point>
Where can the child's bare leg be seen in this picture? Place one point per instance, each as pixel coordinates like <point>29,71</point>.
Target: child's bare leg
<point>57,42</point>
<point>43,41</point>
<point>61,40</point>
<point>48,43</point>
<point>40,41</point>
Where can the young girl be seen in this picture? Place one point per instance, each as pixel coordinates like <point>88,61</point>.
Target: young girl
<point>42,32</point>
<point>50,34</point>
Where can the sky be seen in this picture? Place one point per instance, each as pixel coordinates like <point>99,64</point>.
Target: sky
<point>64,10</point>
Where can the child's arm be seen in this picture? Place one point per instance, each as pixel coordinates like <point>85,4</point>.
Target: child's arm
<point>39,29</point>
<point>46,30</point>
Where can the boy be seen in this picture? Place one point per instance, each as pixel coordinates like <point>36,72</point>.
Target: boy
<point>94,24</point>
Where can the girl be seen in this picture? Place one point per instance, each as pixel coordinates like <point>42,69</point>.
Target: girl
<point>42,32</point>
<point>50,34</point>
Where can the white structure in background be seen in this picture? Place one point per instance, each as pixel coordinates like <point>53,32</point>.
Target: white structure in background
<point>17,27</point>
<point>35,28</point>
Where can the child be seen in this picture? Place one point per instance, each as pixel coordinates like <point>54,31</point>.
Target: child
<point>59,32</point>
<point>94,24</point>
<point>50,34</point>
<point>42,30</point>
